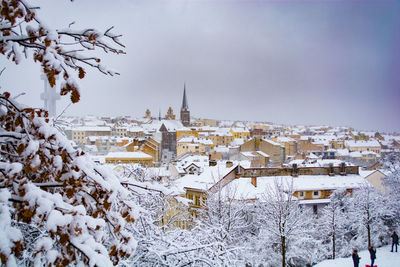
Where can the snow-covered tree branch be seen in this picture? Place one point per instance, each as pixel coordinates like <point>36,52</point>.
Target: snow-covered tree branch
<point>60,52</point>
<point>48,185</point>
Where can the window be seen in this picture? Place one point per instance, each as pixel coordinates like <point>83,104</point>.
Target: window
<point>190,196</point>
<point>192,170</point>
<point>301,194</point>
<point>197,200</point>
<point>316,194</point>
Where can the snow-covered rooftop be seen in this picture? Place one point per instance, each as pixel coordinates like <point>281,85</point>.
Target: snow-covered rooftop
<point>362,143</point>
<point>205,180</point>
<point>244,189</point>
<point>128,155</point>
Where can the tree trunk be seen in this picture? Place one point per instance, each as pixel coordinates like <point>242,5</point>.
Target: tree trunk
<point>333,245</point>
<point>368,230</point>
<point>283,246</point>
<point>333,236</point>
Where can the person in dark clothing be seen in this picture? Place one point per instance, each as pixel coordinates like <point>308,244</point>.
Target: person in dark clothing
<point>395,240</point>
<point>372,253</point>
<point>356,258</point>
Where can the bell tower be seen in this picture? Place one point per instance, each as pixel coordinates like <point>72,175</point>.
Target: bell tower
<point>185,113</point>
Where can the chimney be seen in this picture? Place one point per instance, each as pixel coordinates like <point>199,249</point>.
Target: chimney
<point>229,164</point>
<point>331,171</point>
<point>294,170</point>
<point>238,170</point>
<point>343,169</point>
<point>212,163</point>
<point>254,181</point>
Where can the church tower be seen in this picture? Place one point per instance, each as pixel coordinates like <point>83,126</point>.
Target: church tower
<point>185,113</point>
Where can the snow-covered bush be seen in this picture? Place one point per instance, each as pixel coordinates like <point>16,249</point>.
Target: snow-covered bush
<point>370,217</point>
<point>334,224</point>
<point>55,202</point>
<point>286,230</point>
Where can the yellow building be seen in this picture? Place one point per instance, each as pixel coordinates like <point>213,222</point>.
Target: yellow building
<point>306,144</point>
<point>194,146</point>
<point>175,214</point>
<point>240,133</point>
<point>208,122</point>
<point>198,198</point>
<point>208,129</point>
<point>371,145</point>
<point>79,134</point>
<point>152,147</point>
<point>359,136</point>
<point>260,126</point>
<point>221,138</point>
<point>133,146</point>
<point>184,132</point>
<point>316,194</point>
<point>123,141</point>
<point>337,144</point>
<point>312,186</point>
<point>129,157</point>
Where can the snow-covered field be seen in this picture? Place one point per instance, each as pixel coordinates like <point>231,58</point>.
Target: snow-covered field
<point>384,258</point>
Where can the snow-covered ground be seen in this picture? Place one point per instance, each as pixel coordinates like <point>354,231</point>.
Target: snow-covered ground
<point>384,258</point>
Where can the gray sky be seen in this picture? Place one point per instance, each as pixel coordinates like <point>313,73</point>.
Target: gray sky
<point>294,62</point>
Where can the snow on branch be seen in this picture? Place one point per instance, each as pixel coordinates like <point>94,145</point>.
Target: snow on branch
<point>47,184</point>
<point>59,52</point>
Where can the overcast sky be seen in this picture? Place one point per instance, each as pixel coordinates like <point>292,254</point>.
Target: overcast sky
<point>291,62</point>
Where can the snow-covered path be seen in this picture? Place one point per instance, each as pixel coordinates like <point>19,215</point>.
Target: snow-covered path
<point>384,258</point>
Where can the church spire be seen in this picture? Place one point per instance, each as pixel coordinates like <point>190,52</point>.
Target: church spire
<point>184,100</point>
<point>185,113</point>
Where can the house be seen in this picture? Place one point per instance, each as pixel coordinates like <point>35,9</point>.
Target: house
<point>208,122</point>
<point>219,153</point>
<point>152,147</point>
<point>189,164</point>
<point>289,143</point>
<point>374,177</point>
<point>257,158</point>
<point>186,131</point>
<point>362,145</point>
<point>306,144</point>
<point>275,150</point>
<point>195,185</point>
<point>129,157</point>
<point>240,133</point>
<point>221,137</point>
<point>311,185</point>
<point>80,133</point>
<point>119,130</point>
<point>194,146</point>
<point>135,131</point>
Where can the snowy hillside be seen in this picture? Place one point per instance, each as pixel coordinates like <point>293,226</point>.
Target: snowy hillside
<point>384,258</point>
